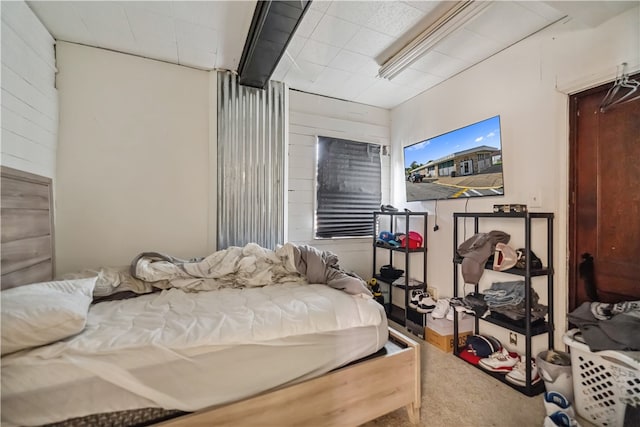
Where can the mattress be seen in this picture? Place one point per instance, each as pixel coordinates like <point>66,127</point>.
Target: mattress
<point>182,351</point>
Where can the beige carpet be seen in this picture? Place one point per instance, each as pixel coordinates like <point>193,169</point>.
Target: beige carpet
<point>455,393</point>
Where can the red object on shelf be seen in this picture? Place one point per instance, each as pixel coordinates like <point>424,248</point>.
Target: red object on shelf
<point>415,240</point>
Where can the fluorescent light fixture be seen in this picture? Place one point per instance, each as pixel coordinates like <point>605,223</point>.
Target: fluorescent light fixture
<point>452,20</point>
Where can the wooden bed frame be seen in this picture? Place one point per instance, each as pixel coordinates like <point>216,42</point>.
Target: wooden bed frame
<point>351,395</point>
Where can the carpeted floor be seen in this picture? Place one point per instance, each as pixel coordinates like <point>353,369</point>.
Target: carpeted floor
<point>457,394</point>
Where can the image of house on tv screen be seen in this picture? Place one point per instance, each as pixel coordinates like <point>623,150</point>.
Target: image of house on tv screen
<point>466,162</point>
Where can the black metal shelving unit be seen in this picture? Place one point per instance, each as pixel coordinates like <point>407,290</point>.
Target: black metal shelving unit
<point>407,317</point>
<point>528,330</point>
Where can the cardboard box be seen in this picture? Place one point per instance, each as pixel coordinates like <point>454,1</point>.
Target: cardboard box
<point>439,332</point>
<point>445,342</point>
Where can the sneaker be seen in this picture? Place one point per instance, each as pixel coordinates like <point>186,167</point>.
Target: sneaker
<point>452,311</point>
<point>554,402</point>
<point>449,315</point>
<point>560,419</point>
<point>416,296</point>
<point>442,307</point>
<point>500,361</point>
<point>426,304</point>
<point>518,375</point>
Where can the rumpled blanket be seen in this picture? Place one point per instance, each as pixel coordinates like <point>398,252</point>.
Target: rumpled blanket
<point>234,267</point>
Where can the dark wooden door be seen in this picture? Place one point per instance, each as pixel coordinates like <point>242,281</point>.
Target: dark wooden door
<point>604,217</point>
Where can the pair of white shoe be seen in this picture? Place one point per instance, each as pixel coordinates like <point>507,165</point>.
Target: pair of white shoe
<point>421,301</point>
<point>559,410</point>
<point>443,310</point>
<point>518,375</point>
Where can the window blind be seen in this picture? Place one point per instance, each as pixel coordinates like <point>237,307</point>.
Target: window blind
<point>348,187</point>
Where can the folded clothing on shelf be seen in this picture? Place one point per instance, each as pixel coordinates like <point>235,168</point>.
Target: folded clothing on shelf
<point>412,282</point>
<point>521,322</point>
<point>476,302</point>
<point>390,273</point>
<point>504,293</point>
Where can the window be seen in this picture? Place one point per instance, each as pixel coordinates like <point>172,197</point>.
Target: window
<point>348,187</point>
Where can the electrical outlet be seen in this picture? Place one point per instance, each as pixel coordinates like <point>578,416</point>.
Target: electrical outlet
<point>433,292</point>
<point>513,338</point>
<point>535,199</point>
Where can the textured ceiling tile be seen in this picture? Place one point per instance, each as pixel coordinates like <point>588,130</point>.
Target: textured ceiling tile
<point>150,26</point>
<point>506,22</point>
<point>318,53</point>
<point>394,18</point>
<point>202,13</point>
<point>357,12</point>
<point>321,5</point>
<point>196,36</point>
<point>159,7</point>
<point>309,23</point>
<point>334,31</point>
<point>416,79</point>
<point>63,21</point>
<point>282,68</point>
<point>295,46</point>
<point>196,58</point>
<point>107,23</point>
<point>355,85</point>
<point>345,36</point>
<point>425,6</point>
<point>468,46</point>
<point>330,82</point>
<point>355,63</point>
<point>439,65</point>
<point>369,42</point>
<point>548,11</point>
<point>385,94</point>
<point>303,72</point>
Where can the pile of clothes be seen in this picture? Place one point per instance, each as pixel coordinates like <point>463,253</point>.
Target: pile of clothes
<point>505,301</point>
<point>607,326</point>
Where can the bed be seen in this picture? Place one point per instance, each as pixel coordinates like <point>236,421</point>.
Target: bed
<point>350,375</point>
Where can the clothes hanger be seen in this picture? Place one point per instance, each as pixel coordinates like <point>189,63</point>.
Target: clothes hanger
<point>611,93</point>
<point>621,82</point>
<point>629,84</point>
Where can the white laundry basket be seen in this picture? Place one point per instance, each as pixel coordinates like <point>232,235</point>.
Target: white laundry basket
<point>604,382</point>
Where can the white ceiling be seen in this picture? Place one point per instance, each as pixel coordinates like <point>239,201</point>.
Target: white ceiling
<point>337,48</point>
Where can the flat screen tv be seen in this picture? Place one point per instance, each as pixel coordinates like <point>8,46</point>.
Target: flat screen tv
<point>466,162</point>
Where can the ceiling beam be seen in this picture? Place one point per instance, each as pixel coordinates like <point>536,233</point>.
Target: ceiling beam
<point>272,27</point>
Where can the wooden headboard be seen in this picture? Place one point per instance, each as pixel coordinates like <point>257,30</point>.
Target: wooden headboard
<point>26,228</point>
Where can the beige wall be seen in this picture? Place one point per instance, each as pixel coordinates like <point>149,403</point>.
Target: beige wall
<point>133,158</point>
<point>527,86</point>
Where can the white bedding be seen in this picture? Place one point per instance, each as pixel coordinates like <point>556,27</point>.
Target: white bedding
<point>188,351</point>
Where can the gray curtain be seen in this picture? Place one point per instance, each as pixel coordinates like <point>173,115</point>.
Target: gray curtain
<point>251,162</point>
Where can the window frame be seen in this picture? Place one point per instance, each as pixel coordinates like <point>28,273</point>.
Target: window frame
<point>316,202</point>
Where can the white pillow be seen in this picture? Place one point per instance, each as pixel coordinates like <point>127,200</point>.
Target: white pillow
<point>42,313</point>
